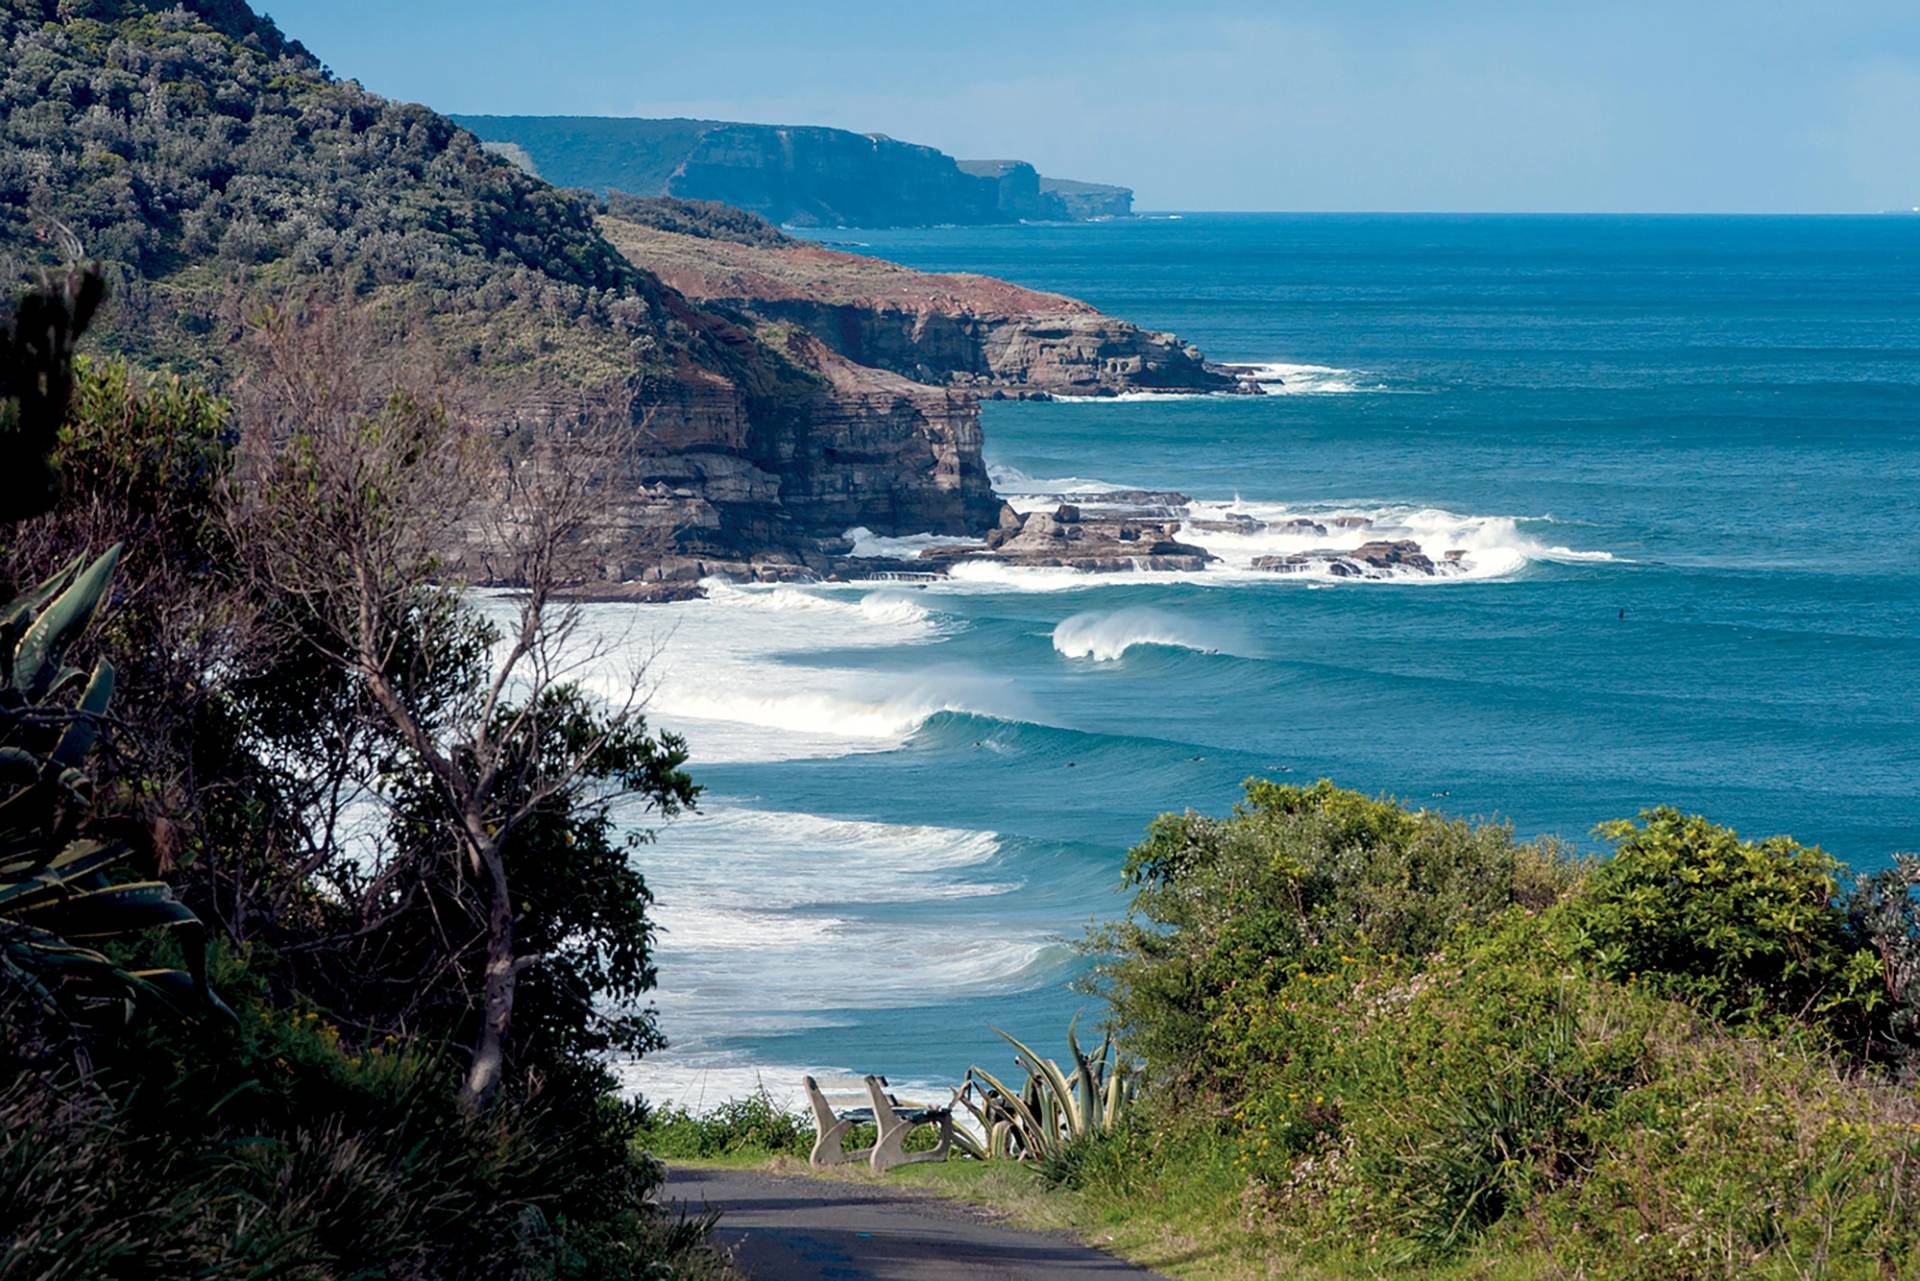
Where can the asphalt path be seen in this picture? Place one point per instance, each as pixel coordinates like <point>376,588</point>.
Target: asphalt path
<point>794,1228</point>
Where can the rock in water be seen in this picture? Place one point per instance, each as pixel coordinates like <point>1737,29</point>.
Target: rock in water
<point>1379,559</point>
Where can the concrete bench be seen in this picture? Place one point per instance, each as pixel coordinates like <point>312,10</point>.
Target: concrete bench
<point>848,1101</point>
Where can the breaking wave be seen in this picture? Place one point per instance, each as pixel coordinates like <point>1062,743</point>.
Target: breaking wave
<point>1462,547</point>
<point>803,711</point>
<point>868,545</point>
<point>768,917</point>
<point>1105,636</point>
<point>1278,378</point>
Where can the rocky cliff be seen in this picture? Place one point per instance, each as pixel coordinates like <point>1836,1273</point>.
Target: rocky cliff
<point>799,175</point>
<point>965,331</point>
<point>1028,196</point>
<point>761,474</point>
<point>213,165</point>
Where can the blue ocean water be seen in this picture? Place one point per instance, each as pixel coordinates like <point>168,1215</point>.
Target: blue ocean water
<point>1682,456</point>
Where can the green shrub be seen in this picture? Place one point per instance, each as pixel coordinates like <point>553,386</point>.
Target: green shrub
<point>1300,881</point>
<point>1748,932</point>
<point>755,1125</point>
<point>1434,1050</point>
<point>269,1150</point>
<point>1746,1157</point>
<point>1884,915</point>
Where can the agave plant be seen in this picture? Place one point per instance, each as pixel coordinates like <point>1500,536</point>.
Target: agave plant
<point>58,905</point>
<point>1053,1110</point>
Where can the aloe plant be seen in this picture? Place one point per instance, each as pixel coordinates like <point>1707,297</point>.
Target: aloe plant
<point>58,905</point>
<point>1053,1110</point>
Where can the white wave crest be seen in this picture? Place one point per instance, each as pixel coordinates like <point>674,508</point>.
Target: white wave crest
<point>732,672</point>
<point>895,608</point>
<point>1105,636</point>
<point>1279,378</point>
<point>768,916</point>
<point>868,545</point>
<point>1462,547</point>
<point>800,711</point>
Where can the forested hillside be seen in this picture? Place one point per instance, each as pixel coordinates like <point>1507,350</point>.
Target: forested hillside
<point>200,154</point>
<point>216,170</point>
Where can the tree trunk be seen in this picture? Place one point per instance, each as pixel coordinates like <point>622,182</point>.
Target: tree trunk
<point>496,1015</point>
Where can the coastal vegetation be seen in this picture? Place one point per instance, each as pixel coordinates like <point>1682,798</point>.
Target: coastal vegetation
<point>314,920</point>
<point>1379,1041</point>
<point>1415,1040</point>
<point>316,926</point>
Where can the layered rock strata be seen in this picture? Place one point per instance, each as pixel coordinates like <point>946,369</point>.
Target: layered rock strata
<point>969,331</point>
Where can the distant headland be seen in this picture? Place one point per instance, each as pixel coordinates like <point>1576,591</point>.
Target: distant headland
<point>796,175</point>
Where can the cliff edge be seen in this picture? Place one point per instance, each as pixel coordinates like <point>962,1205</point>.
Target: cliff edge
<point>799,175</point>
<point>959,330</point>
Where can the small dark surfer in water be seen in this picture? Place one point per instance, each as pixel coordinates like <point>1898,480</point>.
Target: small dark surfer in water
<point>1623,611</point>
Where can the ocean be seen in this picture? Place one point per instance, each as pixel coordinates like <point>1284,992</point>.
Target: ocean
<point>1680,458</point>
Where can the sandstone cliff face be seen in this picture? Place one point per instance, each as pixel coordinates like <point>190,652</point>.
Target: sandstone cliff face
<point>830,177</point>
<point>807,176</point>
<point>1027,195</point>
<point>1083,201</point>
<point>960,330</point>
<point>757,470</point>
<point>1022,353</point>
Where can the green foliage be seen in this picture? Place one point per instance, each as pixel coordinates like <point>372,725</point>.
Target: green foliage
<point>1884,915</point>
<point>197,151</point>
<point>753,1126</point>
<point>581,903</point>
<point>703,219</point>
<point>1298,882</point>
<point>1055,1114</point>
<point>317,1134</point>
<point>58,908</point>
<point>1623,1071</point>
<point>273,1150</point>
<point>1749,932</point>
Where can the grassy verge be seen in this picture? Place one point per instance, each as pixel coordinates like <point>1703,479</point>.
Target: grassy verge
<point>1185,1221</point>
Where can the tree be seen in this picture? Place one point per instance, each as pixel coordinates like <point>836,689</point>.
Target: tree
<point>37,343</point>
<point>361,477</point>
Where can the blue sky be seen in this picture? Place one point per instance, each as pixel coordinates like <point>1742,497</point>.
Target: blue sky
<point>1681,105</point>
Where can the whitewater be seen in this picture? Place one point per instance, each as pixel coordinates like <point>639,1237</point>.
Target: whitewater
<point>1660,547</point>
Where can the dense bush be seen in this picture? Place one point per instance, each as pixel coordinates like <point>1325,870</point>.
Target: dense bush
<point>276,1151</point>
<point>703,219</point>
<point>322,1132</point>
<point>754,1125</point>
<point>1297,883</point>
<point>1425,1040</point>
<point>1746,931</point>
<point>206,159</point>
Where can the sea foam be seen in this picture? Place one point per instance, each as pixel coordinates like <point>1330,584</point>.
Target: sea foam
<point>768,917</point>
<point>1279,378</point>
<point>1487,546</point>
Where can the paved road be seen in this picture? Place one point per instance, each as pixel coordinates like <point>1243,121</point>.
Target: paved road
<point>803,1229</point>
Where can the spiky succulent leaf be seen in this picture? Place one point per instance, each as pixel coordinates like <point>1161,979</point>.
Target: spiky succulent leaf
<point>79,738</point>
<point>36,659</point>
<point>119,909</point>
<point>1046,1071</point>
